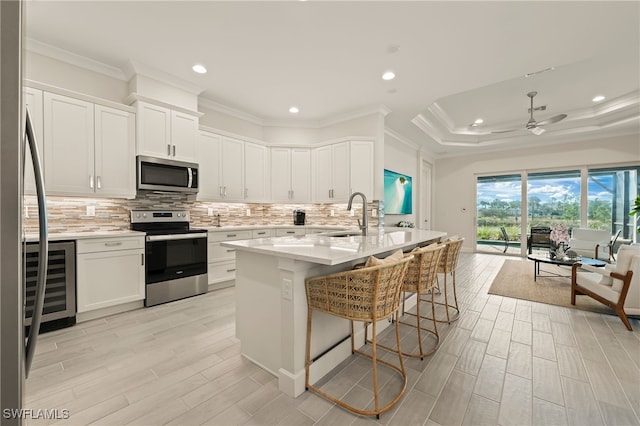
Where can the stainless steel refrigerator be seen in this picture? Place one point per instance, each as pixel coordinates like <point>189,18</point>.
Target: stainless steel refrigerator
<point>16,349</point>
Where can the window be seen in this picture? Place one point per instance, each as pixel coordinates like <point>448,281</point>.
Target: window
<point>611,193</point>
<point>499,205</point>
<point>554,198</point>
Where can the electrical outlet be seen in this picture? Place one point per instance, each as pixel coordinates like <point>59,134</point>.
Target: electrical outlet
<point>287,291</point>
<point>352,212</point>
<point>26,211</point>
<point>210,211</point>
<point>333,213</point>
<point>91,210</point>
<point>248,212</point>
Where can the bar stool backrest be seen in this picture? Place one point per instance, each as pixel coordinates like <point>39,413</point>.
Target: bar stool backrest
<point>449,259</point>
<point>366,294</point>
<point>423,269</point>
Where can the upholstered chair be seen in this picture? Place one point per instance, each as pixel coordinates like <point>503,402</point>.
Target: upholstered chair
<point>616,285</point>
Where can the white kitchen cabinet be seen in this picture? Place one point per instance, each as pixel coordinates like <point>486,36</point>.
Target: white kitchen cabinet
<point>33,100</point>
<point>69,151</point>
<point>222,260</point>
<point>361,168</point>
<point>115,164</point>
<point>221,168</point>
<point>256,179</point>
<point>290,174</point>
<point>166,133</point>
<point>331,173</point>
<point>110,272</point>
<point>89,149</point>
<point>287,232</point>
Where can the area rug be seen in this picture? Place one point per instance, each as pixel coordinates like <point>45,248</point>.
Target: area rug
<point>515,279</point>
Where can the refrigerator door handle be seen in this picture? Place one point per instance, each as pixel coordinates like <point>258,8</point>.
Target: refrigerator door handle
<point>43,255</point>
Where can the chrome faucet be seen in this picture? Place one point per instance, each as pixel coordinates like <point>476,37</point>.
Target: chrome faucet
<point>364,225</point>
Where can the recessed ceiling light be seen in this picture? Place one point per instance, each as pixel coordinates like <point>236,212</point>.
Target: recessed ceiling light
<point>294,110</point>
<point>388,75</point>
<point>200,69</point>
<point>479,121</point>
<point>598,98</point>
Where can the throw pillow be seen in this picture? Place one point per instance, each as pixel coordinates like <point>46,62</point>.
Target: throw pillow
<point>393,257</point>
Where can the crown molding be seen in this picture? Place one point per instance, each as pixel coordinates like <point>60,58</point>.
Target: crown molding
<point>397,136</point>
<point>133,68</point>
<point>233,112</point>
<point>135,97</point>
<point>62,55</point>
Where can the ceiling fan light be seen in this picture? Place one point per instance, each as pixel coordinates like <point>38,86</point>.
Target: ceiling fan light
<point>537,130</point>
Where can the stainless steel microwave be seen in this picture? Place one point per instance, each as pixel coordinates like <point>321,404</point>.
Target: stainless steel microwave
<point>158,174</point>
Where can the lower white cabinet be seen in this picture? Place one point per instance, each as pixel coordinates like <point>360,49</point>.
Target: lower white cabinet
<point>283,232</point>
<point>110,271</point>
<point>222,260</point>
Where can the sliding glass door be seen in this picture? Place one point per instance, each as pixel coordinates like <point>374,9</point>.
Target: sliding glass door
<point>581,198</point>
<point>499,208</point>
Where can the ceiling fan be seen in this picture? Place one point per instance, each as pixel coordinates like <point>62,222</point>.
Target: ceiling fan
<point>534,126</point>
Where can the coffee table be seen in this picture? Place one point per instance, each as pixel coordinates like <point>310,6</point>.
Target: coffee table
<point>541,258</point>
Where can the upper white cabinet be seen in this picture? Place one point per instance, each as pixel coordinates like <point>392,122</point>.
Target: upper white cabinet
<point>33,101</point>
<point>331,170</point>
<point>290,174</point>
<point>342,168</point>
<point>114,152</point>
<point>89,149</point>
<point>256,179</point>
<point>165,133</point>
<point>221,167</point>
<point>361,168</point>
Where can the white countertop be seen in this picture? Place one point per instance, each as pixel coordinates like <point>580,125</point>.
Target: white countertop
<point>60,236</point>
<point>333,250</point>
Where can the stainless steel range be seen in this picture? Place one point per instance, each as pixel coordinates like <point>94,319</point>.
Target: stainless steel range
<point>176,255</point>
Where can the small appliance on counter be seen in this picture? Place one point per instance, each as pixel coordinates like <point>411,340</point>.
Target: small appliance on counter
<point>298,217</point>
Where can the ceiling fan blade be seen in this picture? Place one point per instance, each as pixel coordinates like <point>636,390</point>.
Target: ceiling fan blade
<point>552,120</point>
<point>504,131</point>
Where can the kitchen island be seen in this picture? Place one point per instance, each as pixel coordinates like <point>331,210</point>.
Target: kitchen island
<point>271,305</point>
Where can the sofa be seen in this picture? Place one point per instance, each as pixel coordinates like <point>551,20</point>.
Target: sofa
<point>591,243</point>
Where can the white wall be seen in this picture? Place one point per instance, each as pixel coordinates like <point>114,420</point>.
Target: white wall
<point>402,158</point>
<point>455,178</point>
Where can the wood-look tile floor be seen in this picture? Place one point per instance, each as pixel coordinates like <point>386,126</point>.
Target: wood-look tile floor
<point>504,362</point>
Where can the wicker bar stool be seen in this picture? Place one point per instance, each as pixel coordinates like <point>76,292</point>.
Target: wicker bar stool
<point>368,295</point>
<point>448,265</point>
<point>421,278</point>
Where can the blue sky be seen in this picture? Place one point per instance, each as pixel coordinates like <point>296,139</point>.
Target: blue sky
<point>545,189</point>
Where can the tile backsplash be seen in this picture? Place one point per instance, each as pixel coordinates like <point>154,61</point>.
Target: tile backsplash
<point>70,214</point>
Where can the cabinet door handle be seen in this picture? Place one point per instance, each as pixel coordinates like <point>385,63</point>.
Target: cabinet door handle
<point>142,259</point>
<point>262,233</point>
<point>225,191</point>
<point>246,191</point>
<point>220,191</point>
<point>174,150</point>
<point>169,149</point>
<point>113,244</point>
<point>231,270</point>
<point>231,235</point>
<point>291,232</point>
<point>99,182</point>
<point>91,181</point>
<point>231,250</point>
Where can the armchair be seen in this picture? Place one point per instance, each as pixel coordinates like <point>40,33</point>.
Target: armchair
<point>539,238</point>
<point>616,286</point>
<point>591,243</point>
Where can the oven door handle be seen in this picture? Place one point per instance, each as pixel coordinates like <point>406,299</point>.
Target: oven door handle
<point>176,237</point>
